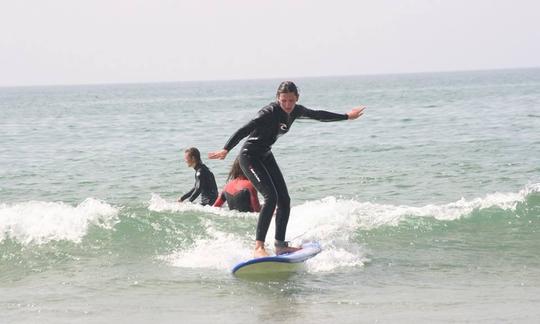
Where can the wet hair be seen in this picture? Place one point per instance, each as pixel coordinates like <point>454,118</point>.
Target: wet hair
<point>236,171</point>
<point>287,87</point>
<point>194,153</point>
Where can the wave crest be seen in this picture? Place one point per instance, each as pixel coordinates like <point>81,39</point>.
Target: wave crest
<point>40,222</point>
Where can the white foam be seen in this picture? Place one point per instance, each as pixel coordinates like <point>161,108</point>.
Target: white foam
<point>331,258</point>
<point>218,251</point>
<point>530,188</point>
<point>330,216</point>
<point>158,204</point>
<point>40,222</point>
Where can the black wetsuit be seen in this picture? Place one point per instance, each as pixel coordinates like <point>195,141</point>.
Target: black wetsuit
<point>259,165</point>
<point>205,185</point>
<point>240,194</point>
<point>239,201</point>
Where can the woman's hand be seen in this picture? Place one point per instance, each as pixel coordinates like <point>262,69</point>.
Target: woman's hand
<point>356,112</point>
<point>218,154</point>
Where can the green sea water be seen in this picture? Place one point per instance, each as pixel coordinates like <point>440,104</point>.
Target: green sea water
<point>427,207</point>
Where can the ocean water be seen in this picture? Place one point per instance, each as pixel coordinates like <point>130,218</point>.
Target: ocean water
<point>427,207</point>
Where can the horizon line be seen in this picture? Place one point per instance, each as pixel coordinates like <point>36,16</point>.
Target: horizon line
<point>263,78</point>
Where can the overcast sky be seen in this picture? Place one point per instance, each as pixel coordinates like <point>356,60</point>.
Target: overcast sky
<point>109,41</point>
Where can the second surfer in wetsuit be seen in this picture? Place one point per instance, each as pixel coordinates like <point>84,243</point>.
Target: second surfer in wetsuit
<point>259,165</point>
<point>205,183</point>
<point>239,192</point>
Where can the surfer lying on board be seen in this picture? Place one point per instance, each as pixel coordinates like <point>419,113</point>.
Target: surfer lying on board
<point>259,165</point>
<point>205,183</point>
<point>239,192</point>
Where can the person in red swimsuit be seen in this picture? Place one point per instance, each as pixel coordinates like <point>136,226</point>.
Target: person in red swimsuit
<point>239,192</point>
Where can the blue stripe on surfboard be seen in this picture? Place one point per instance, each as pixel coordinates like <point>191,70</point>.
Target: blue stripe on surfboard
<point>308,250</point>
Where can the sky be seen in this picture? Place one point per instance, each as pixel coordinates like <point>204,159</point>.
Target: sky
<point>46,42</point>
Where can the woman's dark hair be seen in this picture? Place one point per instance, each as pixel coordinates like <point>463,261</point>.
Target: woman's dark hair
<point>194,153</point>
<point>236,171</point>
<point>287,87</point>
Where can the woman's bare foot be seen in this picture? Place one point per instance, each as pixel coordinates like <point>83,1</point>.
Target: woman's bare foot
<point>259,251</point>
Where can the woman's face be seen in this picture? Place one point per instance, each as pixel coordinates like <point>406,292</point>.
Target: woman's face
<point>287,101</point>
<point>190,161</point>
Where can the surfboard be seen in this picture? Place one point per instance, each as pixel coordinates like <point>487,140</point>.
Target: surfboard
<point>278,264</point>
